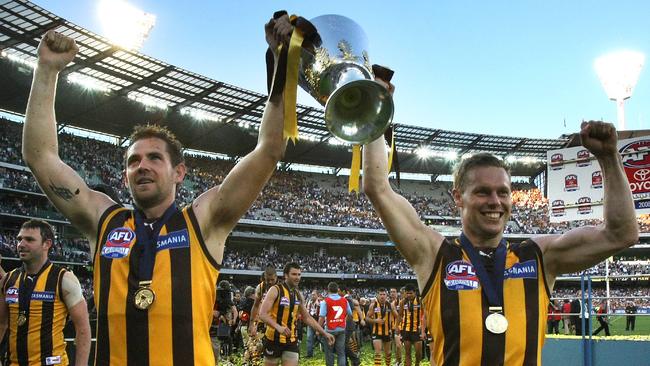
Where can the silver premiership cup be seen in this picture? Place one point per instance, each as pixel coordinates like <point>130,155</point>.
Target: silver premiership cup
<point>338,75</point>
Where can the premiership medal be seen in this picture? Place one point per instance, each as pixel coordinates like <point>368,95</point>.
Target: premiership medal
<point>22,319</point>
<point>144,296</point>
<point>496,323</point>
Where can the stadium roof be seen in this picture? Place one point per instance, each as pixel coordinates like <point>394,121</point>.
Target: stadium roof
<point>129,79</point>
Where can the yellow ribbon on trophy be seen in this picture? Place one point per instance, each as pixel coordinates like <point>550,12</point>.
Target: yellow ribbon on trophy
<point>389,135</point>
<point>290,130</point>
<point>355,167</point>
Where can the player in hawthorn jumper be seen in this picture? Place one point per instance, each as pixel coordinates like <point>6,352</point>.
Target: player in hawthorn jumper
<point>36,300</point>
<point>380,316</point>
<point>156,266</point>
<point>280,309</point>
<point>480,280</point>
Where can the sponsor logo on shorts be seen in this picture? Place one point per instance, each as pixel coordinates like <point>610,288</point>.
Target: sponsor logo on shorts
<point>53,360</point>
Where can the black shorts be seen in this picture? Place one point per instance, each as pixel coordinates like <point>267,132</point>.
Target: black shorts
<point>383,338</point>
<point>410,336</point>
<point>275,350</point>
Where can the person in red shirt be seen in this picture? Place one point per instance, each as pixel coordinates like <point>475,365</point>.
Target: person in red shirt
<point>553,319</point>
<point>566,309</point>
<point>334,311</point>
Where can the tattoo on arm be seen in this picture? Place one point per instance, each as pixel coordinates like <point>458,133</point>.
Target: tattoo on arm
<point>63,192</point>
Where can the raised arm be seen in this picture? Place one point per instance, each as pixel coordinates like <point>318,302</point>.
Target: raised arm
<point>219,209</point>
<point>415,241</point>
<point>584,247</point>
<point>62,185</point>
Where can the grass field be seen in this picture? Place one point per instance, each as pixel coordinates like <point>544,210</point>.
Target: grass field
<point>617,328</point>
<point>617,325</point>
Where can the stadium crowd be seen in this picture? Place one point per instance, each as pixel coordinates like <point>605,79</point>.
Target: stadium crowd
<point>294,197</point>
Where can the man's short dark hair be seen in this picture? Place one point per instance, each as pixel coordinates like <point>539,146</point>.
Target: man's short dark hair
<point>409,287</point>
<point>381,289</point>
<point>269,270</point>
<point>332,287</point>
<point>46,230</point>
<point>250,290</point>
<point>289,266</point>
<point>480,160</point>
<point>174,147</point>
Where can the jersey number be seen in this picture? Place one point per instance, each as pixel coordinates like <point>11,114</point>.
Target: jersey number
<point>339,311</point>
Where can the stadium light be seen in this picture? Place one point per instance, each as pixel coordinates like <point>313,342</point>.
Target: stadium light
<point>451,155</point>
<point>336,142</point>
<point>423,152</point>
<point>87,82</point>
<point>124,24</point>
<point>201,115</point>
<point>17,59</point>
<point>618,73</point>
<point>147,100</point>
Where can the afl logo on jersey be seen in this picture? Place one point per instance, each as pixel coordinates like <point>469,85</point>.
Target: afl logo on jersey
<point>460,275</point>
<point>11,296</point>
<point>118,243</point>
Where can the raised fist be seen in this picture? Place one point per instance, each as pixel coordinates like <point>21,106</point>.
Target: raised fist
<point>278,31</point>
<point>599,138</point>
<point>56,51</point>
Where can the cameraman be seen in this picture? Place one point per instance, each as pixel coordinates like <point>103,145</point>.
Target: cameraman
<point>224,316</point>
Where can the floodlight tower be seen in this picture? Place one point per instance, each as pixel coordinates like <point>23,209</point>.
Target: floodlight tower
<point>619,72</point>
<point>124,24</point>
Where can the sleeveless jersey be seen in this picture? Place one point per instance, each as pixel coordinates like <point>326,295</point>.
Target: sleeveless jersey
<point>456,309</point>
<point>411,315</point>
<point>285,312</point>
<point>184,281</point>
<point>382,312</point>
<point>40,340</point>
